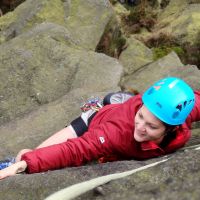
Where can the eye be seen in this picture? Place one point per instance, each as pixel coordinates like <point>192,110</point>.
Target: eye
<point>140,116</point>
<point>152,127</point>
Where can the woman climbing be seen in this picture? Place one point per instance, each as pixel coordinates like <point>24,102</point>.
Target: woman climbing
<point>145,126</point>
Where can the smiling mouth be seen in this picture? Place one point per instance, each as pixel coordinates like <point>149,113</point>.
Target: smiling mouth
<point>142,134</point>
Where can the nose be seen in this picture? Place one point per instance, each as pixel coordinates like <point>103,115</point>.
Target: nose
<point>141,126</point>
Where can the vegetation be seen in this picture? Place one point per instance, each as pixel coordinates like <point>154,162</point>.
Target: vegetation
<point>144,16</point>
<point>192,52</point>
<point>159,52</point>
<point>112,43</point>
<point>164,43</point>
<point>140,16</point>
<point>113,2</point>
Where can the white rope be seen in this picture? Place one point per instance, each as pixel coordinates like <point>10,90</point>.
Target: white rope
<point>80,188</point>
<point>195,147</point>
<point>198,148</point>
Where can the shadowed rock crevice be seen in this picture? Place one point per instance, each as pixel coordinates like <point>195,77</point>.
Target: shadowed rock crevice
<point>9,5</point>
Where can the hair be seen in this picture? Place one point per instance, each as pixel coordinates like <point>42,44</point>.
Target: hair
<point>170,134</point>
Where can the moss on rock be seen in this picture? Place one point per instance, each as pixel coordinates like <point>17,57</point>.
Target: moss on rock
<point>51,11</point>
<point>159,52</point>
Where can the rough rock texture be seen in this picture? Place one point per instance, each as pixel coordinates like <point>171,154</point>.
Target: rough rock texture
<point>40,68</point>
<point>178,178</point>
<point>48,67</point>
<point>181,19</point>
<point>169,65</point>
<point>81,17</point>
<point>34,127</point>
<point>135,56</point>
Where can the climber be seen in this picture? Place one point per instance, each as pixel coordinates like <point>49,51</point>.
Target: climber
<point>153,124</point>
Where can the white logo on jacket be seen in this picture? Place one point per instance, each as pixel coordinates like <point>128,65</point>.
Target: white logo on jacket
<point>102,140</point>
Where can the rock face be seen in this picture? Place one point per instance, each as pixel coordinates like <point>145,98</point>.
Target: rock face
<point>169,65</point>
<point>82,18</point>
<point>37,68</point>
<point>181,19</point>
<point>158,182</point>
<point>176,178</point>
<point>48,67</point>
<point>135,56</point>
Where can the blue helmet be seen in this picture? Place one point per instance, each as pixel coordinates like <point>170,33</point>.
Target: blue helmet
<point>170,99</point>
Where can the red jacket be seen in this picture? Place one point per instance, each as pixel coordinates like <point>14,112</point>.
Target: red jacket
<point>110,133</point>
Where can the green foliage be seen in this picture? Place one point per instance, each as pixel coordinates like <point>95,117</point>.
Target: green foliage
<point>159,52</point>
<point>119,42</point>
<point>179,50</point>
<point>162,44</point>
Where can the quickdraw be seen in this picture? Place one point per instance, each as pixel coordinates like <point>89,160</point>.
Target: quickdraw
<point>94,103</point>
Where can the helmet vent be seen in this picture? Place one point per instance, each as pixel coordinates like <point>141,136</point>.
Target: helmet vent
<point>151,91</point>
<point>170,99</point>
<point>179,107</point>
<point>190,101</point>
<point>158,104</point>
<point>175,114</point>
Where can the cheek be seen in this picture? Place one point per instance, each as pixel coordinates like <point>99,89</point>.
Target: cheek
<point>137,119</point>
<point>155,133</point>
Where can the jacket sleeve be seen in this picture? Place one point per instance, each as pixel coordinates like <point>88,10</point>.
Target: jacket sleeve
<point>74,152</point>
<point>195,114</point>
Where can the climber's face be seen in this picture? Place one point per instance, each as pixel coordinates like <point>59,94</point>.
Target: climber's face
<point>148,127</point>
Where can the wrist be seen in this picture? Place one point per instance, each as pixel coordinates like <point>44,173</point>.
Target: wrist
<point>21,166</point>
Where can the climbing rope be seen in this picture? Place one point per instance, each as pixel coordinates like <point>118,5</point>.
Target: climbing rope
<point>76,190</point>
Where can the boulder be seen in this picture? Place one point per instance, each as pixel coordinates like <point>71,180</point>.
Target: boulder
<point>135,56</point>
<point>181,19</point>
<point>177,178</point>
<point>37,68</point>
<point>85,19</point>
<point>34,127</point>
<point>48,68</point>
<point>169,65</point>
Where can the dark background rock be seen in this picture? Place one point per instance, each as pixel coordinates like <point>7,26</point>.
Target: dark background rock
<point>9,5</point>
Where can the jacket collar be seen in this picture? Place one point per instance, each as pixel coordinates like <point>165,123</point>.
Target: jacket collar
<point>150,145</point>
